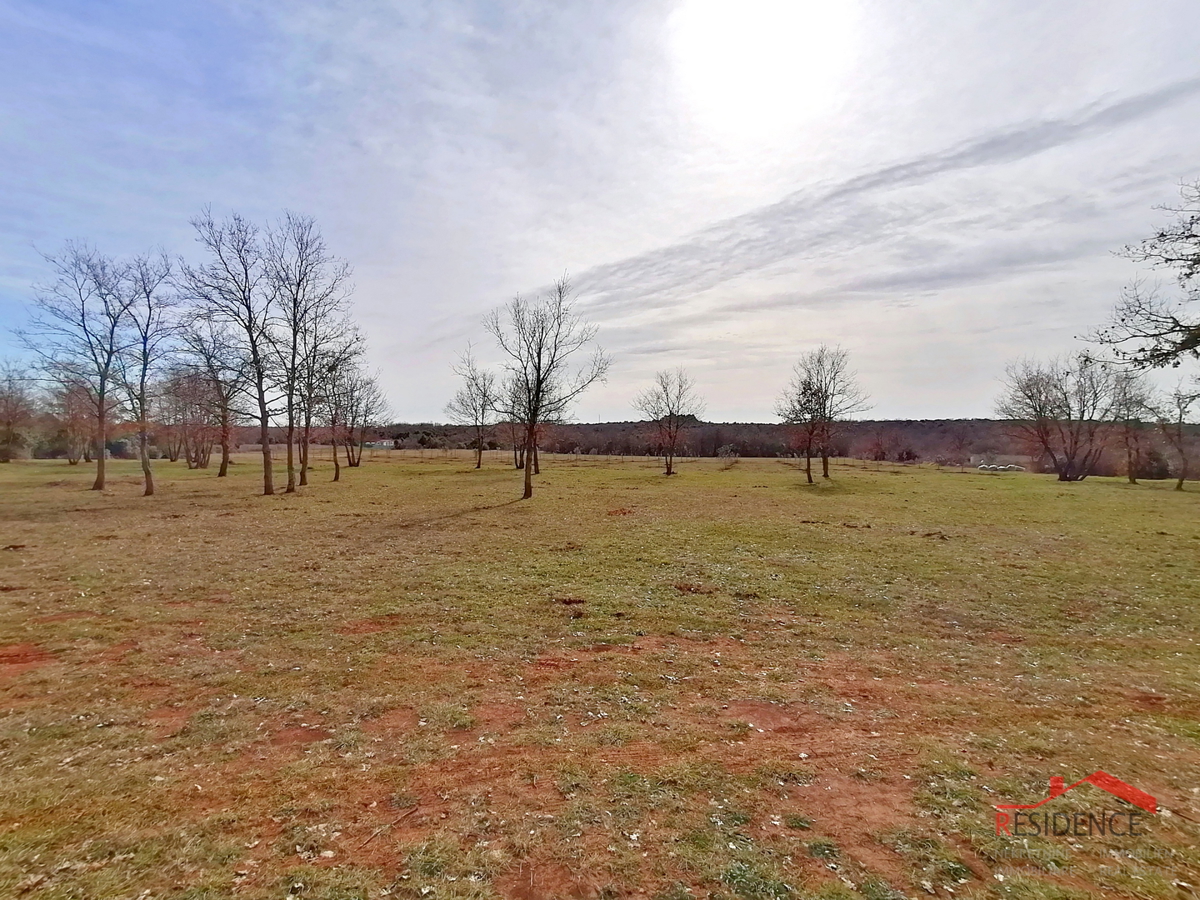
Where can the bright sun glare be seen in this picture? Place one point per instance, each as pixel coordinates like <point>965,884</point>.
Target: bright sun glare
<point>751,70</point>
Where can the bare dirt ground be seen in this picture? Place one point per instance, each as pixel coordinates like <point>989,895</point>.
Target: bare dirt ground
<point>723,684</point>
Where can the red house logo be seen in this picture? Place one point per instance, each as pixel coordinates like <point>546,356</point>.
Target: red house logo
<point>1021,820</point>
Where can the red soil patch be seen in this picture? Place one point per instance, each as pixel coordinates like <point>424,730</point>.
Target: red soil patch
<point>168,721</point>
<point>545,881</point>
<point>18,658</point>
<point>762,715</point>
<point>291,736</point>
<point>399,720</point>
<point>498,716</point>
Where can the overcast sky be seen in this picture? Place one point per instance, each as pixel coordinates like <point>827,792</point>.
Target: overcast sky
<point>937,185</point>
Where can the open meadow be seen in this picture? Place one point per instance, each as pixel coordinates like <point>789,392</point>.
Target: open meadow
<point>723,684</point>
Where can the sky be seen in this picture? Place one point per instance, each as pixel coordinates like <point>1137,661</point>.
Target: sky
<point>939,186</point>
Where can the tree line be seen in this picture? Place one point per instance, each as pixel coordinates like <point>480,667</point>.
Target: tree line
<point>255,331</point>
<point>542,342</point>
<point>1068,411</point>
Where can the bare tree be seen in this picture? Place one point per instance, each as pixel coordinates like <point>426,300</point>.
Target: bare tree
<point>309,287</point>
<point>540,339</point>
<point>822,393</point>
<point>513,411</point>
<point>354,406</point>
<point>17,407</point>
<point>884,441</point>
<point>1145,329</point>
<point>960,444</point>
<point>1061,409</point>
<point>212,352</point>
<point>1173,416</point>
<point>191,416</point>
<point>71,406</point>
<point>1130,406</point>
<point>232,289</point>
<point>671,404</point>
<point>79,331</point>
<point>801,407</point>
<point>474,403</point>
<point>151,326</point>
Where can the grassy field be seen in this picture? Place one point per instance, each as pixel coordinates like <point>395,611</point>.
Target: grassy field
<point>721,685</point>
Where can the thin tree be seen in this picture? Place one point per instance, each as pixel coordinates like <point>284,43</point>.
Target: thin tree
<point>232,289</point>
<point>79,330</point>
<point>671,405</point>
<point>800,407</point>
<point>1131,404</point>
<point>309,288</point>
<point>211,351</point>
<point>474,404</point>
<point>17,407</point>
<point>359,405</point>
<point>822,394</point>
<point>1173,416</point>
<point>71,407</point>
<point>1061,409</point>
<point>540,339</point>
<point>151,325</point>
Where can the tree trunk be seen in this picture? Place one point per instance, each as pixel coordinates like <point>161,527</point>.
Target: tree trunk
<point>670,462</point>
<point>337,465</point>
<point>537,468</point>
<point>264,437</point>
<point>530,458</point>
<point>101,440</point>
<point>144,456</point>
<point>305,445</point>
<point>824,463</point>
<point>808,465</point>
<point>224,471</point>
<point>479,448</point>
<point>1131,464</point>
<point>291,457</point>
<point>1183,470</point>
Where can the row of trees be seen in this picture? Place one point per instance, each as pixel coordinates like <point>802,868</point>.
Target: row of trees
<point>1071,409</point>
<point>1068,411</point>
<point>257,331</point>
<point>540,342</point>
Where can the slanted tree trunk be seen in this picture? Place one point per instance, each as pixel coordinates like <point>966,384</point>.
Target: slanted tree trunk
<point>337,465</point>
<point>808,464</point>
<point>537,468</point>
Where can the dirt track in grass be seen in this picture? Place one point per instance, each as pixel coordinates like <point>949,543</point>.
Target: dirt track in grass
<point>723,684</point>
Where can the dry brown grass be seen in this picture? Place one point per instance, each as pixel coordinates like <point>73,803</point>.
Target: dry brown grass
<point>722,684</point>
